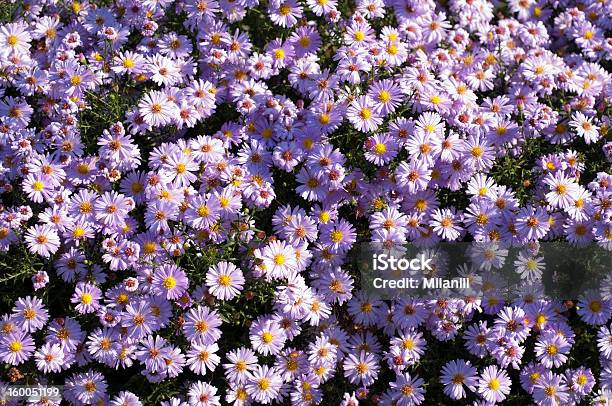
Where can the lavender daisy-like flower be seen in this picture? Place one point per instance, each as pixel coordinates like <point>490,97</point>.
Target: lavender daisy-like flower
<point>267,337</point>
<point>202,358</point>
<point>362,115</point>
<point>30,314</point>
<point>241,362</point>
<point>339,236</point>
<point>413,176</point>
<point>380,149</point>
<point>86,297</point>
<point>593,309</point>
<point>201,325</point>
<point>203,394</point>
<point>532,223</point>
<point>456,375</point>
<point>494,384</point>
<point>42,240</point>
<point>155,109</point>
<point>170,281</point>
<point>361,369</point>
<point>279,259</point>
<point>16,347</point>
<point>407,390</point>
<point>224,280</point>
<point>264,384</point>
<point>551,350</point>
<point>551,390</point>
<point>49,358</point>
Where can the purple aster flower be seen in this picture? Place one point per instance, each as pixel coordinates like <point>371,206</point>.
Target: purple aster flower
<point>49,358</point>
<point>224,280</point>
<point>201,358</point>
<point>42,240</point>
<point>267,337</point>
<point>455,375</point>
<point>551,389</point>
<point>16,347</point>
<point>30,314</point>
<point>170,281</point>
<point>86,297</point>
<point>362,114</point>
<point>88,387</point>
<point>580,381</point>
<point>361,369</point>
<point>380,149</point>
<point>494,384</point>
<point>339,236</point>
<point>264,384</point>
<point>413,176</point>
<point>203,394</point>
<point>242,362</point>
<point>532,223</point>
<point>551,350</point>
<point>201,325</point>
<point>407,390</point>
<point>138,319</point>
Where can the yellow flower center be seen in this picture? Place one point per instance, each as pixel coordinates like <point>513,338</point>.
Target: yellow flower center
<point>279,54</point>
<point>76,80</point>
<point>365,113</point>
<point>169,282</point>
<point>324,216</point>
<point>263,384</point>
<point>225,280</point>
<point>336,236</point>
<point>595,306</point>
<point>384,96</point>
<point>279,259</point>
<point>78,232</point>
<point>15,346</point>
<point>477,152</point>
<point>380,148</point>
<point>285,9</point>
<point>38,186</point>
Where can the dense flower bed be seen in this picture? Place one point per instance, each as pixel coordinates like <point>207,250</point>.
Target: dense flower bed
<point>184,182</point>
